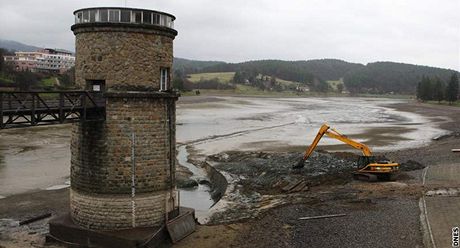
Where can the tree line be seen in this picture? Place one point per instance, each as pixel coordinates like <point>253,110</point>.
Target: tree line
<point>297,71</point>
<point>373,78</point>
<point>435,89</point>
<point>389,77</point>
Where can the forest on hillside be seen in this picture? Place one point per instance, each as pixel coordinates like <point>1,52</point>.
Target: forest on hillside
<point>299,71</point>
<point>373,78</point>
<point>389,77</point>
<point>187,66</point>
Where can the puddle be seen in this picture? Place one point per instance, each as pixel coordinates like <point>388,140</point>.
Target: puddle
<point>198,198</point>
<point>56,187</point>
<point>59,186</point>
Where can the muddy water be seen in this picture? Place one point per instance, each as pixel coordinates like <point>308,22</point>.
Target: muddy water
<point>271,123</point>
<point>34,158</point>
<point>197,198</point>
<point>39,158</point>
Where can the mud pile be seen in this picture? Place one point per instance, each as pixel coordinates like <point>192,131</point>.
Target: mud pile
<point>411,165</point>
<point>269,172</point>
<point>263,180</point>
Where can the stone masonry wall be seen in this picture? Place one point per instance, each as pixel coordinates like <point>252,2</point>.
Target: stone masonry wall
<point>108,212</point>
<point>126,60</point>
<point>101,161</point>
<point>101,151</point>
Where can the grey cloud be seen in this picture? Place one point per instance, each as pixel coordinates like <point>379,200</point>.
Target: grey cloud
<point>414,31</point>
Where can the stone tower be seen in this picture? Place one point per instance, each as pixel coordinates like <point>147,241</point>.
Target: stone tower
<point>122,169</point>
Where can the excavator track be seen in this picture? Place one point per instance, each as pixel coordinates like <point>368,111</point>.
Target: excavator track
<point>388,177</point>
<point>368,177</point>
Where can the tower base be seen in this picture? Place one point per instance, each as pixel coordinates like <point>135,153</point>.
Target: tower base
<point>62,229</point>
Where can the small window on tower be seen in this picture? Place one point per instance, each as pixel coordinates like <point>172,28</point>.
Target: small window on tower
<point>114,15</point>
<point>164,79</point>
<point>125,16</point>
<point>147,17</point>
<point>95,85</point>
<point>92,15</point>
<point>103,15</point>
<point>136,17</point>
<point>85,16</point>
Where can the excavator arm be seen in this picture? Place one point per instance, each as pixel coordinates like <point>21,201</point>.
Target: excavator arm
<point>327,130</point>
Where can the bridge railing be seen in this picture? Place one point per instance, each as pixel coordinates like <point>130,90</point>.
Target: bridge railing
<point>20,108</point>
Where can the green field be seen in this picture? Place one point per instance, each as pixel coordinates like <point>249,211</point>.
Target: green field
<point>226,77</point>
<point>48,81</point>
<point>223,77</point>
<point>247,90</point>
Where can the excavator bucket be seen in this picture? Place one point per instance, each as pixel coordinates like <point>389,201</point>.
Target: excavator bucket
<point>299,165</point>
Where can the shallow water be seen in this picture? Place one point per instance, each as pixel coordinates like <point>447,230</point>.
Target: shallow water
<point>34,158</point>
<point>182,157</point>
<point>263,123</point>
<point>197,198</point>
<point>39,157</point>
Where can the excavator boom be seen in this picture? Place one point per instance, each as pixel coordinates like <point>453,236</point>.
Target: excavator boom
<point>368,169</point>
<point>326,129</point>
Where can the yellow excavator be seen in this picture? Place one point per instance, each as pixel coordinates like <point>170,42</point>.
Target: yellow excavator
<point>368,168</point>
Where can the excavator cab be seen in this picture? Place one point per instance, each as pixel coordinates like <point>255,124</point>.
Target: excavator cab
<point>363,161</point>
<point>370,168</point>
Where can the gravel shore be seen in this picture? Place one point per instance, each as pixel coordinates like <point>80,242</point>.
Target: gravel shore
<point>379,223</point>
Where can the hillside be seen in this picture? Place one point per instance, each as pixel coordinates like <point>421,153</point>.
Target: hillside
<point>300,71</point>
<point>17,46</point>
<point>386,77</point>
<point>375,78</point>
<point>188,66</point>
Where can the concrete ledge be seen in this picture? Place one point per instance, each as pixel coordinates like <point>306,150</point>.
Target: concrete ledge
<point>140,94</point>
<point>218,181</point>
<point>64,230</point>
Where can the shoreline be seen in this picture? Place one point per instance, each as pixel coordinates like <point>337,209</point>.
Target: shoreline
<point>409,188</point>
<point>436,151</point>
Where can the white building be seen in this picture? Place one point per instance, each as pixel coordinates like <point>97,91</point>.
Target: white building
<point>54,60</point>
<point>44,60</point>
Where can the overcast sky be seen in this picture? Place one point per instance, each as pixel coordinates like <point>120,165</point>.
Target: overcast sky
<point>425,32</point>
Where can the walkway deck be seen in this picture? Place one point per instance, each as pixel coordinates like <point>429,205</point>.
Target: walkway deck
<point>21,109</point>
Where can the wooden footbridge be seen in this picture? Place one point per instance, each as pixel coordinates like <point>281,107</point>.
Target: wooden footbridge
<point>21,109</point>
